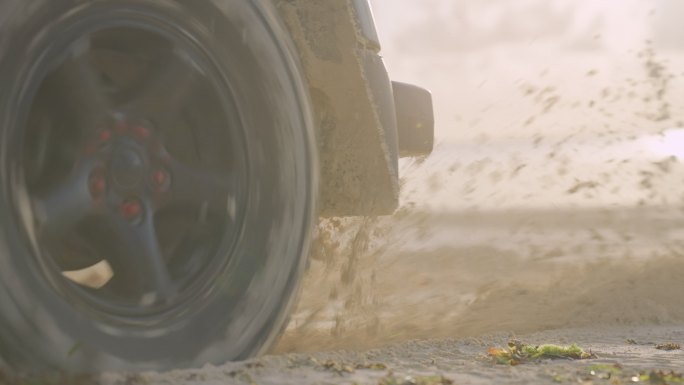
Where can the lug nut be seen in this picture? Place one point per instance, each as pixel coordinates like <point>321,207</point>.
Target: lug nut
<point>97,184</point>
<point>141,132</point>
<point>105,136</point>
<point>131,209</point>
<point>162,179</point>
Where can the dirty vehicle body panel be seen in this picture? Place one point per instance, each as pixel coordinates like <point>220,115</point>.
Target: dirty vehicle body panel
<point>162,162</point>
<point>358,132</point>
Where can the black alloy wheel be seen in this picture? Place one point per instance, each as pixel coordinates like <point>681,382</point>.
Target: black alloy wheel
<point>157,182</point>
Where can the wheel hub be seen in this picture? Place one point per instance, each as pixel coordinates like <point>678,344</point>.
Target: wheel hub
<point>127,175</point>
<point>127,168</point>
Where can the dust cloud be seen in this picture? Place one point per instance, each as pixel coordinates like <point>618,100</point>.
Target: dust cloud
<point>553,197</point>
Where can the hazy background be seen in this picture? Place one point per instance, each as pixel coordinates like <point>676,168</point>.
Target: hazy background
<point>558,92</point>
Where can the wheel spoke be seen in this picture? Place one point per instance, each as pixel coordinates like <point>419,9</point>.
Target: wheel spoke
<point>67,204</point>
<point>190,184</point>
<point>164,87</point>
<point>83,92</point>
<point>142,260</point>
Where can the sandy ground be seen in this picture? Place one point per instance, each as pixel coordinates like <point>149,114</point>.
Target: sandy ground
<point>510,271</point>
<point>623,355</point>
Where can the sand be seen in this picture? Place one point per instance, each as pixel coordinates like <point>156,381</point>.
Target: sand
<point>511,271</point>
<point>622,354</point>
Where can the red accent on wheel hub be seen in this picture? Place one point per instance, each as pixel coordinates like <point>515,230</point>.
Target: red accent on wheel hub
<point>161,177</point>
<point>97,186</point>
<point>131,208</point>
<point>105,135</point>
<point>141,132</point>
